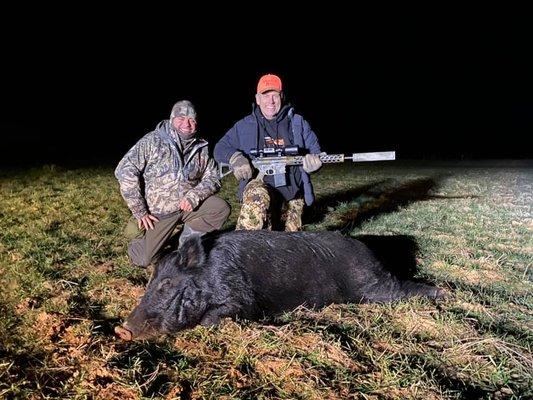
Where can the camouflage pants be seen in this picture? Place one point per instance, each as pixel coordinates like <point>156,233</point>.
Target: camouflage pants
<point>261,206</point>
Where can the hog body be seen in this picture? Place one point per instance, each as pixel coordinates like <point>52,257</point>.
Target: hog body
<point>251,274</point>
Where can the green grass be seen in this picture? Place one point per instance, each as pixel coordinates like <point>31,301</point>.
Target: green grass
<point>67,282</point>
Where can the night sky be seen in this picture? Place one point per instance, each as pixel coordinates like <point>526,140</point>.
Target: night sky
<point>79,92</point>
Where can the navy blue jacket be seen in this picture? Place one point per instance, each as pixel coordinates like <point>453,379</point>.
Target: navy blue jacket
<point>243,137</point>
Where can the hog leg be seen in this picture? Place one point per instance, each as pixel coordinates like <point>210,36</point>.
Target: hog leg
<point>411,288</point>
<point>393,289</point>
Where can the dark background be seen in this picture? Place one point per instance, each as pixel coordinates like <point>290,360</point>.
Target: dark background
<point>84,91</point>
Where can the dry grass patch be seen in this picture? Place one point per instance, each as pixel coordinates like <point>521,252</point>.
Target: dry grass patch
<point>105,267</point>
<point>116,391</point>
<point>424,325</point>
<point>95,375</point>
<point>392,392</point>
<point>517,309</point>
<point>324,352</point>
<point>279,367</point>
<point>458,241</point>
<point>479,277</point>
<point>289,376</point>
<point>288,359</point>
<point>467,365</point>
<point>24,306</point>
<point>47,326</point>
<point>473,307</point>
<point>198,348</point>
<point>59,302</point>
<point>333,314</point>
<point>243,342</point>
<point>484,348</point>
<point>119,295</point>
<point>511,248</point>
<point>77,335</point>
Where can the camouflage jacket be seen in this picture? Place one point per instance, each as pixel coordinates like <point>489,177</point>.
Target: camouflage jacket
<point>155,174</point>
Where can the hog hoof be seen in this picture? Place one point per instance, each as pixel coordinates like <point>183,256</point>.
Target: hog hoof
<point>441,294</point>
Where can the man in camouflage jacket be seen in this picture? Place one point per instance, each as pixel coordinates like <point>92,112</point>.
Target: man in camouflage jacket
<point>168,178</point>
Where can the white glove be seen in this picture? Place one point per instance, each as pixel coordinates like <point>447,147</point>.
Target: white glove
<point>311,163</point>
<point>240,166</point>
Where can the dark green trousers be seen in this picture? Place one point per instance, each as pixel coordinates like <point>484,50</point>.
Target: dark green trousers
<point>146,246</point>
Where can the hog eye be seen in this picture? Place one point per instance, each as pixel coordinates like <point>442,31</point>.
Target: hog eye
<point>164,284</point>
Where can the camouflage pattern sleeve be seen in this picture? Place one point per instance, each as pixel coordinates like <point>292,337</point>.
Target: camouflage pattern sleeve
<point>209,184</point>
<point>129,175</point>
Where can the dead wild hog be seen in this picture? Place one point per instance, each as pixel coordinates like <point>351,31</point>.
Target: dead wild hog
<point>251,274</point>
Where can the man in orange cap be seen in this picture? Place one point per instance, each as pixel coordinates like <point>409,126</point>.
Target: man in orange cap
<point>273,125</point>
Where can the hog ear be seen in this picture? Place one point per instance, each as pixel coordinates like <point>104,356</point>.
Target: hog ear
<point>191,253</point>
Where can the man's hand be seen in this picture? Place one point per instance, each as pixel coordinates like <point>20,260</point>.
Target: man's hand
<point>311,163</point>
<point>240,166</point>
<point>147,222</point>
<point>184,205</point>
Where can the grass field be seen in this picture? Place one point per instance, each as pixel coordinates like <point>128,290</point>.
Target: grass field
<point>467,227</point>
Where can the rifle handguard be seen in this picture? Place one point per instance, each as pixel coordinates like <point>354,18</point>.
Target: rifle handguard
<point>272,165</point>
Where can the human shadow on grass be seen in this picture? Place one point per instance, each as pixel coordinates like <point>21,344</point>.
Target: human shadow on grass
<point>371,200</point>
<point>396,253</point>
<point>83,307</point>
<point>324,204</point>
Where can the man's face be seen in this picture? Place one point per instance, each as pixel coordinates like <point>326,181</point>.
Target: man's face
<point>185,126</point>
<point>269,103</point>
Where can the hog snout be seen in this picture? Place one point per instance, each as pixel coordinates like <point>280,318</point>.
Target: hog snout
<point>123,333</point>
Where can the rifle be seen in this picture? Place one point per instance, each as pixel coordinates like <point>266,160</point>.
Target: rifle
<point>270,161</point>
